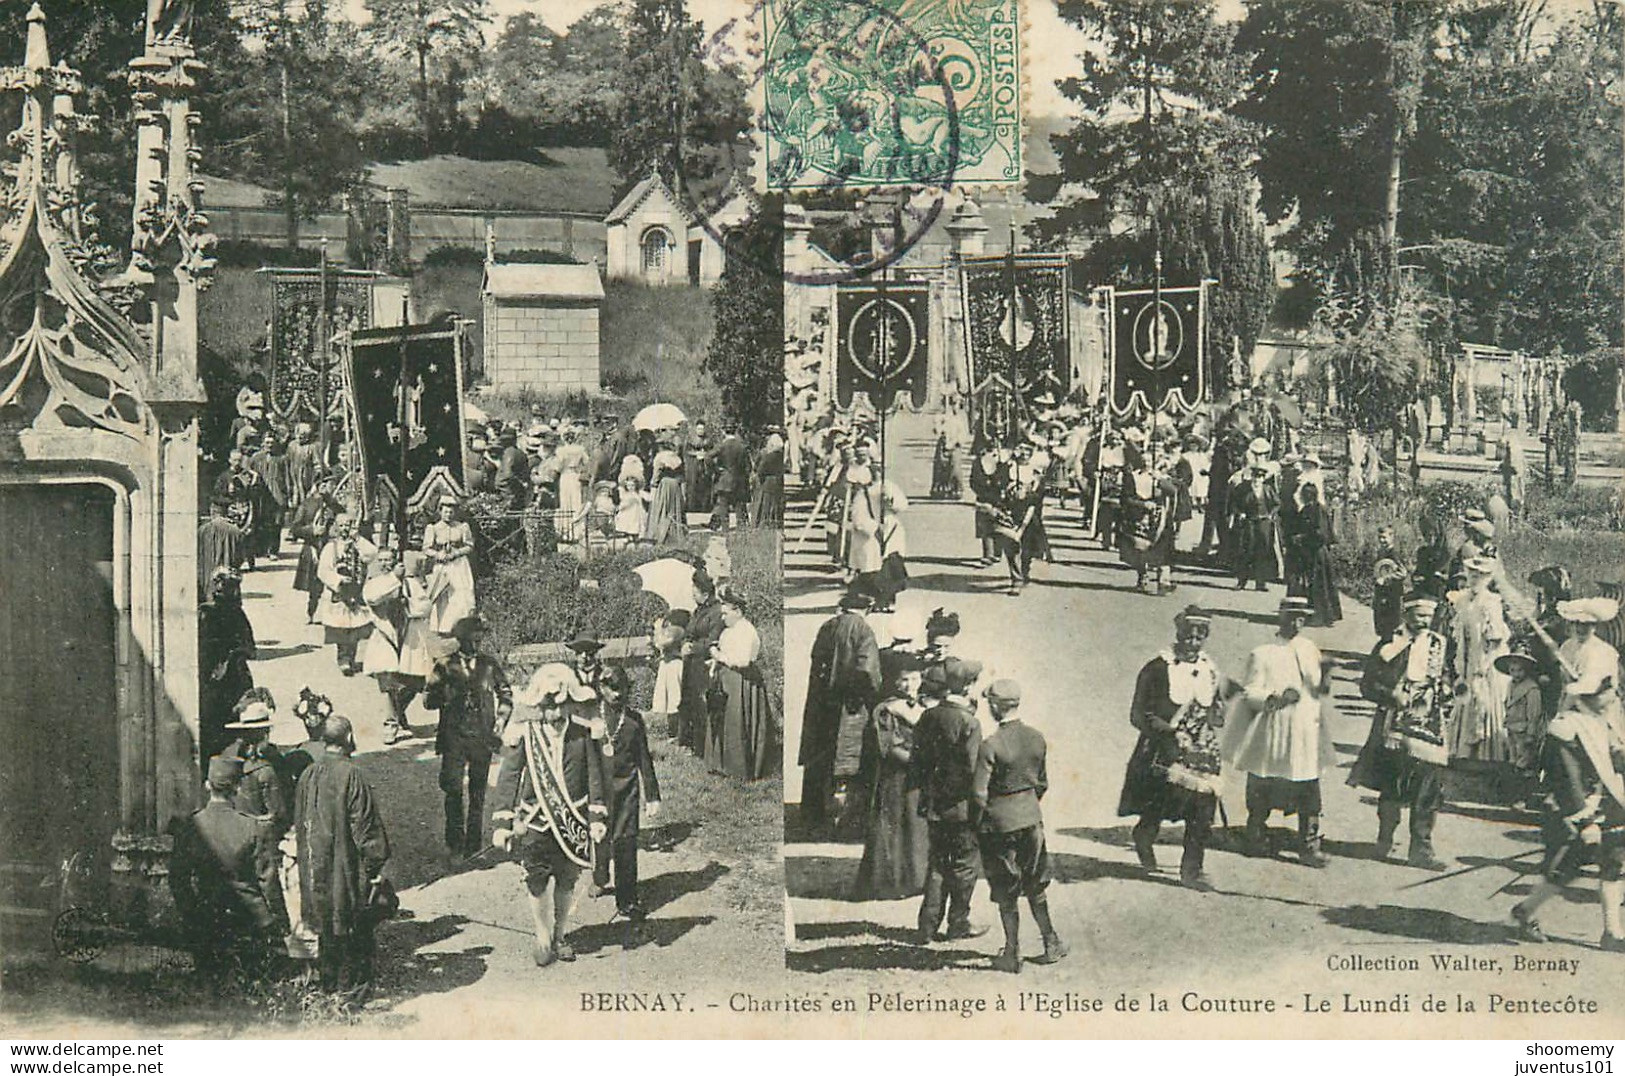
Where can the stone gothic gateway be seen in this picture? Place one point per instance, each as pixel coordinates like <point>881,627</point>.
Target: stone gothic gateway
<point>99,406</point>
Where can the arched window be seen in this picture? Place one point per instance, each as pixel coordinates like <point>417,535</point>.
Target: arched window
<point>657,244</point>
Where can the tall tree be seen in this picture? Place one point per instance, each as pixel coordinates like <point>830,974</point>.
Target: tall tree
<point>434,34</point>
<point>1157,84</point>
<point>679,116</point>
<point>746,357</point>
<point>1334,91</point>
<point>288,106</point>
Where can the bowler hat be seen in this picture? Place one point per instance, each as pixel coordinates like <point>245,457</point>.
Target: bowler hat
<point>934,682</point>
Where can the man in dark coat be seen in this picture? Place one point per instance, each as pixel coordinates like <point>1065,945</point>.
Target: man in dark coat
<point>513,470</point>
<point>271,465</point>
<point>1403,770</point>
<point>844,685</point>
<point>730,492</point>
<point>220,543</point>
<point>1009,781</point>
<point>312,525</point>
<point>704,628</point>
<point>551,814</point>
<point>303,462</point>
<point>629,782</point>
<point>241,487</point>
<point>342,851</point>
<point>1254,506</point>
<point>471,693</point>
<point>223,865</point>
<point>225,647</point>
<point>697,460</point>
<point>946,745</point>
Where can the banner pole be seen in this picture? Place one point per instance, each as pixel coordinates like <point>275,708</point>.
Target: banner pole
<point>402,416</point>
<point>1012,435</point>
<point>323,357</point>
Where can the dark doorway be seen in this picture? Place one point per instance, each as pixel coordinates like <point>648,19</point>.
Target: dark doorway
<point>695,247</point>
<point>59,771</point>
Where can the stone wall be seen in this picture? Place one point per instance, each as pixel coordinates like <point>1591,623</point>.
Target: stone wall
<point>549,346</point>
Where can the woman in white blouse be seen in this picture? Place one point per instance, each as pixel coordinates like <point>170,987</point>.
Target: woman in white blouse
<point>739,737</point>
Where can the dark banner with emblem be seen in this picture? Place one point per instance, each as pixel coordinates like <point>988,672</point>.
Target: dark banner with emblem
<point>1156,350</point>
<point>1018,307</point>
<point>432,391</point>
<point>883,343</point>
<point>297,353</point>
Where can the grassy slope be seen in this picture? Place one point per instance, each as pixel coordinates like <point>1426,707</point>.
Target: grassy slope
<point>566,180</point>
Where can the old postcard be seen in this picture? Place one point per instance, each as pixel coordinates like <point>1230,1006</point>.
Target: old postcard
<point>811,518</point>
<point>1203,554</point>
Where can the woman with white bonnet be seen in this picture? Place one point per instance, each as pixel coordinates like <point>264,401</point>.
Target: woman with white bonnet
<point>448,543</point>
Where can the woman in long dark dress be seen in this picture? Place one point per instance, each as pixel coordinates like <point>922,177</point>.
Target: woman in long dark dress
<point>896,842</point>
<point>1312,528</point>
<point>667,521</point>
<point>225,647</point>
<point>739,736</point>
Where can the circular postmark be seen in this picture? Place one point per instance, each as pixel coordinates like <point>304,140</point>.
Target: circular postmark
<point>842,80</point>
<point>78,935</point>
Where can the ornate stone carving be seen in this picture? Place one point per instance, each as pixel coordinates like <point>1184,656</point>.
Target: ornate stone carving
<point>66,356</point>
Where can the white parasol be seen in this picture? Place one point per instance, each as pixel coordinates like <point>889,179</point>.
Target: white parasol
<point>660,416</point>
<point>671,580</point>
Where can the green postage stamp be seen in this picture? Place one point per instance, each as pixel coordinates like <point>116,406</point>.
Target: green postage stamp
<point>887,93</point>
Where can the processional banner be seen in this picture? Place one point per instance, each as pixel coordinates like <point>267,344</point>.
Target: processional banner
<point>1157,344</point>
<point>299,379</point>
<point>429,393</point>
<point>1016,326</point>
<point>883,342</point>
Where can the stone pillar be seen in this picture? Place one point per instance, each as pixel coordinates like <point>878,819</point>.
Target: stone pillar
<point>967,234</point>
<point>797,261</point>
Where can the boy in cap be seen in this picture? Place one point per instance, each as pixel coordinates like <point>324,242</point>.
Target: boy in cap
<point>1008,784</point>
<point>223,866</point>
<point>946,742</point>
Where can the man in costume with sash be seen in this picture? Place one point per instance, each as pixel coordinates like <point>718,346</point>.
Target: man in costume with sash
<point>1581,764</point>
<point>1404,756</point>
<point>1278,736</point>
<point>1173,773</point>
<point>550,801</point>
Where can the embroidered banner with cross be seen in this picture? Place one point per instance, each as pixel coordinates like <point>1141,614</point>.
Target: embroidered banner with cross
<point>1156,350</point>
<point>883,343</point>
<point>432,390</point>
<point>1022,309</point>
<point>297,353</point>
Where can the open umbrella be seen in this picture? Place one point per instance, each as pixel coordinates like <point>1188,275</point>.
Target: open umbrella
<point>671,580</point>
<point>660,416</point>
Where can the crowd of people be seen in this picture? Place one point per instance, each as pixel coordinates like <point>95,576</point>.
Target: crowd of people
<point>1467,673</point>
<point>632,485</point>
<point>285,860</point>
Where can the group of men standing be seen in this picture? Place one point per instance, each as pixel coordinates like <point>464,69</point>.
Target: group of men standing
<point>978,795</point>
